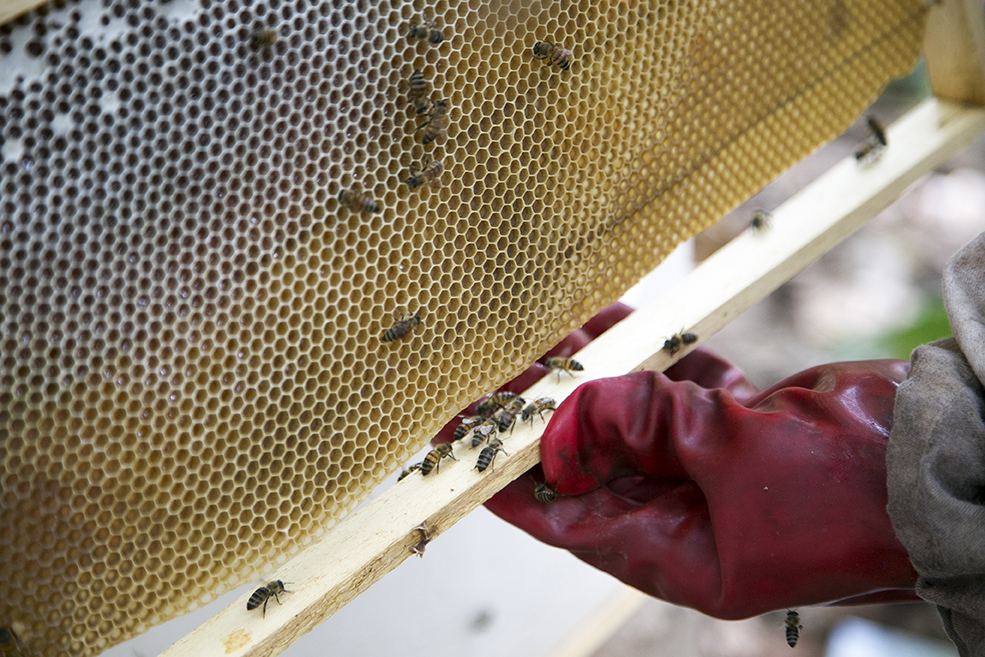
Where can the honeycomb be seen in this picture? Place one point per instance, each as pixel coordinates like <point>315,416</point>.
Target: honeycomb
<point>193,381</point>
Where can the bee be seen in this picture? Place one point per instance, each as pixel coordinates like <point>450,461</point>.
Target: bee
<point>872,148</point>
<point>488,454</point>
<point>426,30</point>
<point>427,173</point>
<point>467,425</point>
<point>538,406</point>
<point>358,202</point>
<point>793,626</point>
<point>433,460</point>
<point>263,39</point>
<point>555,54</point>
<point>674,343</point>
<point>425,539</point>
<point>563,365</point>
<point>760,219</point>
<point>9,645</point>
<point>419,93</point>
<point>483,431</point>
<point>507,416</point>
<point>263,594</point>
<point>544,493</point>
<point>877,130</point>
<point>495,401</point>
<point>401,327</point>
<point>436,125</point>
<point>409,471</point>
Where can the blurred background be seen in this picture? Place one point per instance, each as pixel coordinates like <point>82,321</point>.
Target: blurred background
<point>485,588</point>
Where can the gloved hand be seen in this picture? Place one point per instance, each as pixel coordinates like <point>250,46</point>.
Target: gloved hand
<point>695,488</point>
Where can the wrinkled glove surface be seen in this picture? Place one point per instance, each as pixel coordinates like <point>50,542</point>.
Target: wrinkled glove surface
<point>696,488</point>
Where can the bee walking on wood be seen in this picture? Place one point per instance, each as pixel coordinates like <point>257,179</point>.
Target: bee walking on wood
<point>9,644</point>
<point>436,125</point>
<point>559,365</point>
<point>401,328</point>
<point>674,343</point>
<point>425,30</point>
<point>495,401</point>
<point>538,406</point>
<point>760,219</point>
<point>555,54</point>
<point>263,594</point>
<point>482,432</point>
<point>425,539</point>
<point>409,471</point>
<point>488,454</point>
<point>420,90</point>
<point>357,201</point>
<point>467,425</point>
<point>507,416</point>
<point>429,172</point>
<point>793,626</point>
<point>263,39</point>
<point>433,460</point>
<point>872,148</point>
<point>544,493</point>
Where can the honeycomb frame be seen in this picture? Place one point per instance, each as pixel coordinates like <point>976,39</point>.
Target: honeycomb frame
<point>192,381</point>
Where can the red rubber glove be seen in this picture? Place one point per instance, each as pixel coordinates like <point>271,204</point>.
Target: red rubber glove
<point>694,488</point>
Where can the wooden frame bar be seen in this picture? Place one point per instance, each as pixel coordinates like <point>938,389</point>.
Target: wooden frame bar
<point>345,562</point>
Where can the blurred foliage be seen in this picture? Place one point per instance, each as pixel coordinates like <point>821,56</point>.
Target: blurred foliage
<point>930,324</point>
<point>916,83</point>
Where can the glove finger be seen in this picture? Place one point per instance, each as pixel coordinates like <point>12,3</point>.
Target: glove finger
<point>709,370</point>
<point>606,319</point>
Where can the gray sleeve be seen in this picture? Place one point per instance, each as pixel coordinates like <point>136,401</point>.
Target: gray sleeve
<point>936,458</point>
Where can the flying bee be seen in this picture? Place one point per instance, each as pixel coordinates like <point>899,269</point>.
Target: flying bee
<point>425,539</point>
<point>467,425</point>
<point>507,415</point>
<point>544,493</point>
<point>263,39</point>
<point>555,54</point>
<point>420,90</point>
<point>538,406</point>
<point>495,401</point>
<point>409,471</point>
<point>263,594</point>
<point>488,454</point>
<point>426,30</point>
<point>793,626</point>
<point>433,460</point>
<point>559,365</point>
<point>760,219</point>
<point>427,173</point>
<point>482,432</point>
<point>9,644</point>
<point>674,343</point>
<point>436,125</point>
<point>357,201</point>
<point>401,327</point>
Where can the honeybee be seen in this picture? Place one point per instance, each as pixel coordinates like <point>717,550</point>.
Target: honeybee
<point>401,328</point>
<point>263,39</point>
<point>544,493</point>
<point>538,406</point>
<point>419,93</point>
<point>263,594</point>
<point>425,539</point>
<point>793,626</point>
<point>760,219</point>
<point>495,401</point>
<point>555,54</point>
<point>409,471</point>
<point>674,343</point>
<point>467,425</point>
<point>482,432</point>
<point>507,416</point>
<point>878,131</point>
<point>9,645</point>
<point>426,30</point>
<point>433,460</point>
<point>428,173</point>
<point>357,201</point>
<point>872,148</point>
<point>563,365</point>
<point>437,124</point>
<point>488,454</point>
